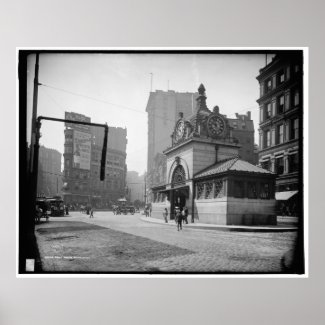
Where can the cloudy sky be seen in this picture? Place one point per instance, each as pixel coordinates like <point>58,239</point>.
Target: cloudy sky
<point>114,88</point>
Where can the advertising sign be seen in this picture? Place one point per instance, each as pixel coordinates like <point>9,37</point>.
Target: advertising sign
<point>81,149</point>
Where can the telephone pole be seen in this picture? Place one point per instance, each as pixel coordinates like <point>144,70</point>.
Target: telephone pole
<point>34,113</point>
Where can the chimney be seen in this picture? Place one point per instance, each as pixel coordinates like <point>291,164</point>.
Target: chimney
<point>249,115</point>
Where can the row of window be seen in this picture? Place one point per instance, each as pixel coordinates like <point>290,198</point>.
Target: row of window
<point>114,185</point>
<point>279,164</point>
<point>253,190</point>
<point>280,134</point>
<point>279,105</point>
<point>216,189</point>
<point>277,79</point>
<point>210,189</point>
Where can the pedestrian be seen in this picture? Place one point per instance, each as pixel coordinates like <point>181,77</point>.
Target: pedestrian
<point>179,219</point>
<point>91,215</point>
<point>165,215</point>
<point>185,214</point>
<point>150,209</point>
<point>67,210</point>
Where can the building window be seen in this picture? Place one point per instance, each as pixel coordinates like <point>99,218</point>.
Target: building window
<point>268,139</point>
<point>208,190</point>
<point>293,163</point>
<point>266,165</point>
<point>252,190</point>
<point>265,191</point>
<point>200,191</point>
<point>218,188</point>
<point>268,85</point>
<point>178,175</point>
<point>238,189</point>
<point>261,115</point>
<point>262,90</point>
<point>281,104</point>
<point>273,137</point>
<point>287,101</point>
<point>294,129</point>
<point>279,166</point>
<point>268,110</point>
<point>296,98</point>
<point>281,77</point>
<point>280,134</point>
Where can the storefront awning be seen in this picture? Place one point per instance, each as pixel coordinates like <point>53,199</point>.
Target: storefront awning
<point>283,196</point>
<point>184,189</point>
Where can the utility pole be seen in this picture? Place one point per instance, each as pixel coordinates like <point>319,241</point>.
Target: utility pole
<point>34,113</point>
<point>27,245</point>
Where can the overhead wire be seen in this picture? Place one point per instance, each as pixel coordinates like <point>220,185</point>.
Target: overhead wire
<point>119,105</point>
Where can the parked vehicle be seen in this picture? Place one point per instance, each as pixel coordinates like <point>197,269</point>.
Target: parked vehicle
<point>56,206</point>
<point>123,209</point>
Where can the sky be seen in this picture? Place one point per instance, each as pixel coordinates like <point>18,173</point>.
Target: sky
<point>115,87</point>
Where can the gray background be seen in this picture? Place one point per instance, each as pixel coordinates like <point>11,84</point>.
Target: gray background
<point>161,23</point>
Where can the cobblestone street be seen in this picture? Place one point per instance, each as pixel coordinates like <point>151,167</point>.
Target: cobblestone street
<point>127,244</point>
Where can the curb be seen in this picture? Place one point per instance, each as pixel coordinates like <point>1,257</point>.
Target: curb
<point>223,228</point>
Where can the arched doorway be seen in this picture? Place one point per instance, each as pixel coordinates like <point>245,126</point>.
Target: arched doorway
<point>178,195</point>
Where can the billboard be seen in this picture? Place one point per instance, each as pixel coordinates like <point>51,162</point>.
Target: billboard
<point>81,149</point>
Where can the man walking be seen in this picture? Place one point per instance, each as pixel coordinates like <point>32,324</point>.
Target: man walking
<point>179,218</point>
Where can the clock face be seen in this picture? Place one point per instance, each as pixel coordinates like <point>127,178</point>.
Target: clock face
<point>180,130</point>
<point>216,126</point>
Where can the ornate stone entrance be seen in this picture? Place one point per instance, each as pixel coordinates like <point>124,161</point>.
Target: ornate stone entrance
<point>205,173</point>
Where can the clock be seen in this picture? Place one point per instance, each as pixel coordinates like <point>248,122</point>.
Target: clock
<point>216,126</point>
<point>179,130</point>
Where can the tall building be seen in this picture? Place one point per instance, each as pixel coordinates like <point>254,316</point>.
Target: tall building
<point>136,186</point>
<point>82,158</point>
<point>243,132</point>
<point>281,109</point>
<point>49,180</point>
<point>163,109</point>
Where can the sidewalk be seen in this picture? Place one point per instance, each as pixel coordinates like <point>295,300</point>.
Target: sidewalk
<point>207,226</point>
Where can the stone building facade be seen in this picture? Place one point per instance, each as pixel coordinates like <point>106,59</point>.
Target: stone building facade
<point>49,180</point>
<point>135,187</point>
<point>281,112</point>
<point>82,172</point>
<point>243,131</point>
<point>205,174</point>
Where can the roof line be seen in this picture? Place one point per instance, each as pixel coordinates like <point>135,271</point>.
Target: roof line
<point>218,162</point>
<point>235,160</point>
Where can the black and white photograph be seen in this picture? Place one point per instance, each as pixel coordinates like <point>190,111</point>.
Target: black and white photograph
<point>162,162</point>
